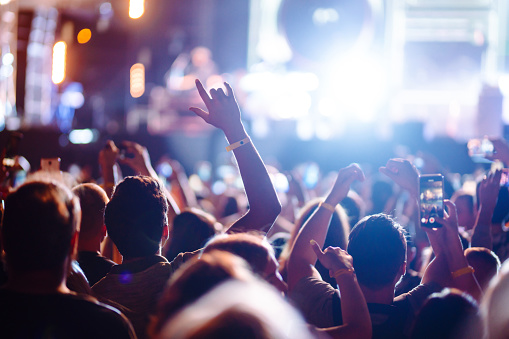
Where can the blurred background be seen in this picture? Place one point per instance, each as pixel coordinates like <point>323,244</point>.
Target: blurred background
<point>328,81</point>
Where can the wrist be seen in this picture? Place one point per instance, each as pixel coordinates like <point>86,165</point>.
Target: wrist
<point>235,133</point>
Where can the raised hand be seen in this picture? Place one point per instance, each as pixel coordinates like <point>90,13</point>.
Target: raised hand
<point>488,189</point>
<point>108,155</point>
<point>501,151</point>
<point>403,173</point>
<point>223,110</point>
<point>140,161</point>
<point>333,258</point>
<point>346,176</point>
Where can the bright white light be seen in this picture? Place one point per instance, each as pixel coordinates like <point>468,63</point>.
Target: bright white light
<point>358,84</point>
<point>304,130</point>
<point>58,66</point>
<point>137,83</point>
<point>8,59</point>
<point>503,83</point>
<point>82,136</point>
<point>323,16</point>
<point>136,8</point>
<point>4,2</point>
<point>105,8</point>
<point>73,99</point>
<point>6,70</point>
<point>291,105</point>
<point>280,182</point>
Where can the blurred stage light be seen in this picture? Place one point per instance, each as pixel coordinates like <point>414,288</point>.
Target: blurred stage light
<point>358,84</point>
<point>105,8</point>
<point>58,65</point>
<point>137,83</point>
<point>4,2</point>
<point>84,36</point>
<point>503,83</point>
<point>73,96</point>
<point>136,8</point>
<point>8,59</point>
<point>83,136</point>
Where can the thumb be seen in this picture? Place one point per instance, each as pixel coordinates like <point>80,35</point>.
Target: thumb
<point>316,248</point>
<point>199,112</point>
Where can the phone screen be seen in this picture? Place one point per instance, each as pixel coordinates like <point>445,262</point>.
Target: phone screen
<point>431,199</point>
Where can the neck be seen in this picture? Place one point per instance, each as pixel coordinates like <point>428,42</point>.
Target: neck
<point>126,260</point>
<point>384,295</point>
<point>37,282</point>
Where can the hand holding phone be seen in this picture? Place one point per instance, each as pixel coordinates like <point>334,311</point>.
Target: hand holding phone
<point>50,164</point>
<point>431,197</point>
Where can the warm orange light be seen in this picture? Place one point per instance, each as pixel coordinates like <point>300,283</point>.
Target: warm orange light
<point>137,83</point>
<point>136,8</point>
<point>58,65</point>
<point>84,36</point>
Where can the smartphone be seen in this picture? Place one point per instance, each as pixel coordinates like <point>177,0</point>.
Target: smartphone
<point>50,164</point>
<point>479,149</point>
<point>431,195</point>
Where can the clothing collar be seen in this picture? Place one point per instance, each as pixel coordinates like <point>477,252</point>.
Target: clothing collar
<point>138,265</point>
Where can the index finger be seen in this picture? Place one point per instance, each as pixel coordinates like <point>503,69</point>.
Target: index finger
<point>203,93</point>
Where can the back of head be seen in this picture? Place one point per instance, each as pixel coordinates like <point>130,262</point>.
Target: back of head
<point>238,309</point>
<point>93,200</point>
<point>39,222</point>
<point>195,279</point>
<point>448,315</point>
<point>190,231</point>
<point>252,248</point>
<point>136,216</point>
<point>378,247</point>
<point>486,264</point>
<point>494,305</point>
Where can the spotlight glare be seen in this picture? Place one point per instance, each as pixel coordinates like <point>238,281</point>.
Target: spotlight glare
<point>58,66</point>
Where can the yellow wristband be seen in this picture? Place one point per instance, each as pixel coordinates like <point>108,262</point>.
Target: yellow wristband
<point>340,272</point>
<point>327,206</point>
<point>238,144</point>
<point>462,271</point>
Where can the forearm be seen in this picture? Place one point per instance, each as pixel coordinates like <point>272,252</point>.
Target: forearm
<point>264,205</point>
<point>353,305</point>
<point>481,236</point>
<point>456,261</point>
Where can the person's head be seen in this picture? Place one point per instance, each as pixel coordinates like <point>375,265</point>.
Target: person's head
<point>494,305</point>
<point>194,279</point>
<point>40,227</point>
<point>190,231</point>
<point>447,315</point>
<point>486,264</point>
<point>377,245</point>
<point>136,216</point>
<point>465,207</point>
<point>93,201</point>
<point>238,309</point>
<point>255,250</point>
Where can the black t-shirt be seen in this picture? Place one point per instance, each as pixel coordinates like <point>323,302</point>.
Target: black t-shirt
<point>94,266</point>
<point>58,316</point>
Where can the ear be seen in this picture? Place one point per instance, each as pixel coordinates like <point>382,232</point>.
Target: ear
<point>74,245</point>
<point>103,233</point>
<point>166,232</point>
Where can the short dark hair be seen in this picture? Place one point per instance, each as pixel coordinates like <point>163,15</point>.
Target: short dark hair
<point>136,216</point>
<point>377,245</point>
<point>251,247</point>
<point>39,222</point>
<point>93,200</point>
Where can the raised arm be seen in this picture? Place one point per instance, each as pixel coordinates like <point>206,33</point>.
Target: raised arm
<point>139,161</point>
<point>354,310</point>
<point>302,256</point>
<point>488,194</point>
<point>108,162</point>
<point>446,243</point>
<point>224,113</point>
